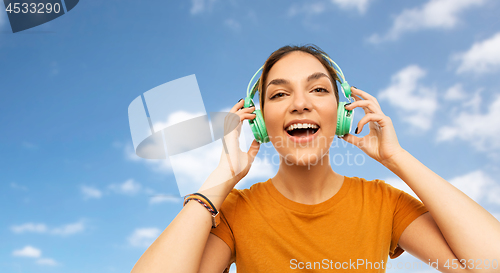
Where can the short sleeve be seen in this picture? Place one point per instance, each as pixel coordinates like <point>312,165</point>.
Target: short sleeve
<point>223,230</point>
<point>407,209</point>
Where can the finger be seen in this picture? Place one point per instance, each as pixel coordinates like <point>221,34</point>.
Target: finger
<point>356,98</point>
<point>247,116</point>
<point>235,120</point>
<point>248,109</point>
<point>352,139</point>
<point>237,106</point>
<point>253,150</point>
<point>382,120</point>
<point>364,95</point>
<point>245,113</point>
<point>367,105</point>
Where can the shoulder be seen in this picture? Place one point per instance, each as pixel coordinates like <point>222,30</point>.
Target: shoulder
<point>375,187</point>
<point>370,184</point>
<point>255,192</point>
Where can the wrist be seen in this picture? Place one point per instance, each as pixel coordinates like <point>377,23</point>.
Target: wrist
<point>204,201</point>
<point>393,161</point>
<point>218,186</point>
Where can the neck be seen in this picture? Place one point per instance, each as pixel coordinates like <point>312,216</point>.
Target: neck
<point>311,184</point>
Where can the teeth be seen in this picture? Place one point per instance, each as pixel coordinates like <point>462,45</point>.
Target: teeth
<point>301,126</point>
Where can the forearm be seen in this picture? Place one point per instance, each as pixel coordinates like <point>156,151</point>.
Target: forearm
<point>179,248</point>
<point>470,230</point>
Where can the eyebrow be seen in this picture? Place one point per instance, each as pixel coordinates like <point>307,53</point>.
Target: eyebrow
<point>311,77</point>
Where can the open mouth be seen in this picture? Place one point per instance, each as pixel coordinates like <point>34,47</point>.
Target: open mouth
<point>302,130</point>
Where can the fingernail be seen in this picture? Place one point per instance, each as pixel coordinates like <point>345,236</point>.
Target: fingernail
<point>240,99</point>
<point>355,87</point>
<point>347,104</point>
<point>356,131</point>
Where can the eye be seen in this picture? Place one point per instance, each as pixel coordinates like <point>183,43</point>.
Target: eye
<point>321,90</point>
<point>277,95</point>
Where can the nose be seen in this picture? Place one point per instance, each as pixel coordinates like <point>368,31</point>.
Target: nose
<point>300,103</point>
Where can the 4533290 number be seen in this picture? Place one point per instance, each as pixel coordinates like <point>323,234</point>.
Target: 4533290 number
<point>33,8</point>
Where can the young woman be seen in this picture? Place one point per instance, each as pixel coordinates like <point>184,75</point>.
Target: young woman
<point>309,217</point>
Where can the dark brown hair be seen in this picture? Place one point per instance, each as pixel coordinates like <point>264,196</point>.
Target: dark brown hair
<point>280,53</point>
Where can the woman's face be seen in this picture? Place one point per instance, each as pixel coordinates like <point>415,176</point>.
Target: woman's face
<point>300,90</point>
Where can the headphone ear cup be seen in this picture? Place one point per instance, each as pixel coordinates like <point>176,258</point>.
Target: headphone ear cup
<point>344,120</point>
<point>258,127</point>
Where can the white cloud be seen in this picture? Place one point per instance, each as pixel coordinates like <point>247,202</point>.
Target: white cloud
<point>54,68</point>
<point>32,252</point>
<point>197,6</point>
<point>29,146</point>
<point>29,227</point>
<point>132,188</point>
<point>150,149</point>
<point>69,229</point>
<point>456,92</point>
<point>176,117</point>
<point>472,126</point>
<point>18,187</point>
<point>158,165</point>
<point>206,159</point>
<point>360,5</point>
<point>307,9</point>
<point>64,230</point>
<point>200,6</point>
<point>28,251</point>
<point>476,184</point>
<point>203,159</point>
<point>416,102</point>
<point>90,192</point>
<point>261,168</point>
<point>232,24</point>
<point>396,182</point>
<point>129,187</point>
<point>46,261</point>
<point>314,8</point>
<point>483,57</point>
<point>435,14</point>
<point>143,237</point>
<point>162,198</point>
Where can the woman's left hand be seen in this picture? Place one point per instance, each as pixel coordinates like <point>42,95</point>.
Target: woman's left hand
<point>381,143</point>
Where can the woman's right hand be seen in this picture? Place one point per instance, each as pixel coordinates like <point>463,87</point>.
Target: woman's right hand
<point>233,160</point>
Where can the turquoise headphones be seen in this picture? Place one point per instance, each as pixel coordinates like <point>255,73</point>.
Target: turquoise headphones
<point>344,117</point>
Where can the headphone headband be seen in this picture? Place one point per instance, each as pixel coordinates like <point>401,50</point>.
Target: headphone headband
<point>255,85</point>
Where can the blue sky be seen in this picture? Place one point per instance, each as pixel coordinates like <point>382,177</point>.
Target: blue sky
<point>75,198</point>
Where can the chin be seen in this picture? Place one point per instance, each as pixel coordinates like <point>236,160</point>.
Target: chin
<point>304,157</point>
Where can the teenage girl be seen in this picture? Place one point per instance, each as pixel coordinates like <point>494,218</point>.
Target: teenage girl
<point>308,216</point>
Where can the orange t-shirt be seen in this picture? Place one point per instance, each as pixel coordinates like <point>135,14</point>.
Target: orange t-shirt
<point>354,230</point>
